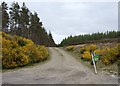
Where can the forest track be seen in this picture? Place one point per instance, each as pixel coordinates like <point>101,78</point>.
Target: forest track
<point>62,68</point>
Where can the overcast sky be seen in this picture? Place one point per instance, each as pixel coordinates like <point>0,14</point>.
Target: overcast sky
<point>73,18</point>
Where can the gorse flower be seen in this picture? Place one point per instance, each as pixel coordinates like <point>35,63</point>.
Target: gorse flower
<point>69,48</point>
<point>18,51</point>
<point>108,54</point>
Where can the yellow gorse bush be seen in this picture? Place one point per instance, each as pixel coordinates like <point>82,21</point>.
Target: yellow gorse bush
<point>69,48</point>
<point>107,55</point>
<point>86,55</point>
<point>18,51</point>
<point>44,51</point>
<point>111,56</point>
<point>104,50</point>
<point>118,48</point>
<point>98,51</point>
<point>90,47</point>
<point>22,59</point>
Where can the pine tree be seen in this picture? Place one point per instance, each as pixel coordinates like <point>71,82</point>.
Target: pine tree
<point>24,21</point>
<point>14,17</point>
<point>51,41</point>
<point>34,24</point>
<point>5,17</point>
<point>90,38</point>
<point>26,24</point>
<point>0,17</point>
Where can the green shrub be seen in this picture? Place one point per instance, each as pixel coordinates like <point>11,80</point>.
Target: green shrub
<point>22,42</point>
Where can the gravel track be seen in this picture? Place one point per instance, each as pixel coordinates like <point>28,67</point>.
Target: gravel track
<point>62,68</point>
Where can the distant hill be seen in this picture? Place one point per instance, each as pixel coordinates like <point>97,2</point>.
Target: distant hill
<point>109,36</point>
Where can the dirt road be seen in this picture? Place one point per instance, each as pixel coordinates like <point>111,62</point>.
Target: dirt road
<point>61,69</point>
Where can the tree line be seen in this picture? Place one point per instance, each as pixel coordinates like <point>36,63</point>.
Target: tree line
<point>71,40</point>
<point>18,20</point>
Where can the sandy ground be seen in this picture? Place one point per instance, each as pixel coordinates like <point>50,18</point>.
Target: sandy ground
<point>61,69</point>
